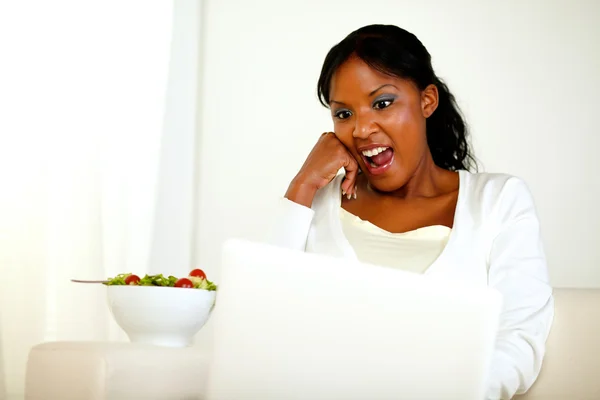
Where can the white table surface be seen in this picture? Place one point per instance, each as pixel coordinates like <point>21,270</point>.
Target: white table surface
<point>120,370</point>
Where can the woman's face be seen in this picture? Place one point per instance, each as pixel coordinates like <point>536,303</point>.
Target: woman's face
<point>381,120</point>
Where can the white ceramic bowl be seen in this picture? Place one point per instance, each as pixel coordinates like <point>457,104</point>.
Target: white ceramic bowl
<point>163,316</point>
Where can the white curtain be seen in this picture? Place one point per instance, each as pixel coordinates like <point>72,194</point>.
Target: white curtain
<point>97,161</point>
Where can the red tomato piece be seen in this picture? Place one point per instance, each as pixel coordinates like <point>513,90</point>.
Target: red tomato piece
<point>132,280</point>
<point>184,283</point>
<point>199,273</point>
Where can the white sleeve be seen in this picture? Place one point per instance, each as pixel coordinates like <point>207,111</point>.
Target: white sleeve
<point>291,224</point>
<point>517,268</point>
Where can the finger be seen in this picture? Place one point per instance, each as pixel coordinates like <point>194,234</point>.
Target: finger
<point>345,185</point>
<point>349,184</point>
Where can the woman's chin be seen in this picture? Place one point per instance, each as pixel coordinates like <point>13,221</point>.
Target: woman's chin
<point>389,181</point>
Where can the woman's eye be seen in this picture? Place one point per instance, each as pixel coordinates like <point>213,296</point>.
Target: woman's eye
<point>382,104</point>
<point>343,114</point>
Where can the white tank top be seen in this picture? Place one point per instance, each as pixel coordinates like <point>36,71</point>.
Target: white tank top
<point>412,251</point>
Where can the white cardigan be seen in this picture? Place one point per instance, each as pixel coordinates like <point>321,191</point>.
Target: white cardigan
<point>495,241</point>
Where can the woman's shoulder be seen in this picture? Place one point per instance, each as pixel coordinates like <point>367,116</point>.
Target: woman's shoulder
<point>499,195</point>
<point>492,184</point>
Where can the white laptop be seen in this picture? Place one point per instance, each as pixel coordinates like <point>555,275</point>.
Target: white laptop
<point>291,325</point>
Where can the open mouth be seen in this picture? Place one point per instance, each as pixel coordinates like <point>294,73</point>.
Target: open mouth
<point>378,159</point>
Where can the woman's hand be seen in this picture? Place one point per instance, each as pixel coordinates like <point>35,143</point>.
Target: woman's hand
<point>320,167</point>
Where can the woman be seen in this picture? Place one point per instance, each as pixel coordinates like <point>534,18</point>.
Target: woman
<point>407,200</point>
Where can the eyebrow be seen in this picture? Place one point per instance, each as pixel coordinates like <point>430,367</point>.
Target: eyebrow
<point>370,94</point>
<point>381,87</point>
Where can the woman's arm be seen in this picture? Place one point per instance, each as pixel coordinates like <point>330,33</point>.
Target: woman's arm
<point>291,224</point>
<point>294,215</point>
<point>517,268</point>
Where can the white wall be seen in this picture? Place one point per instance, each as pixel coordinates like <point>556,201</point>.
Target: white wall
<point>526,74</point>
<point>97,137</point>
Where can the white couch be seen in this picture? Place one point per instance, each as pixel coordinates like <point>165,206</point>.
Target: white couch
<point>123,371</point>
<point>571,369</point>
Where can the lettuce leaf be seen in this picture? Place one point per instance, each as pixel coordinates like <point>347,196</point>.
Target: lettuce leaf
<point>161,280</point>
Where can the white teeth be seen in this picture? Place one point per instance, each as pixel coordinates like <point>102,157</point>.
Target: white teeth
<point>374,152</point>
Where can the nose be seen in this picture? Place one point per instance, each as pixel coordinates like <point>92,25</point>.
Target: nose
<point>365,126</point>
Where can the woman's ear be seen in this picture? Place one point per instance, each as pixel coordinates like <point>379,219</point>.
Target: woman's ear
<point>429,100</point>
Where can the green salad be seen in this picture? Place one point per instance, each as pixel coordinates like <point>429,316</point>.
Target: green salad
<point>195,280</point>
